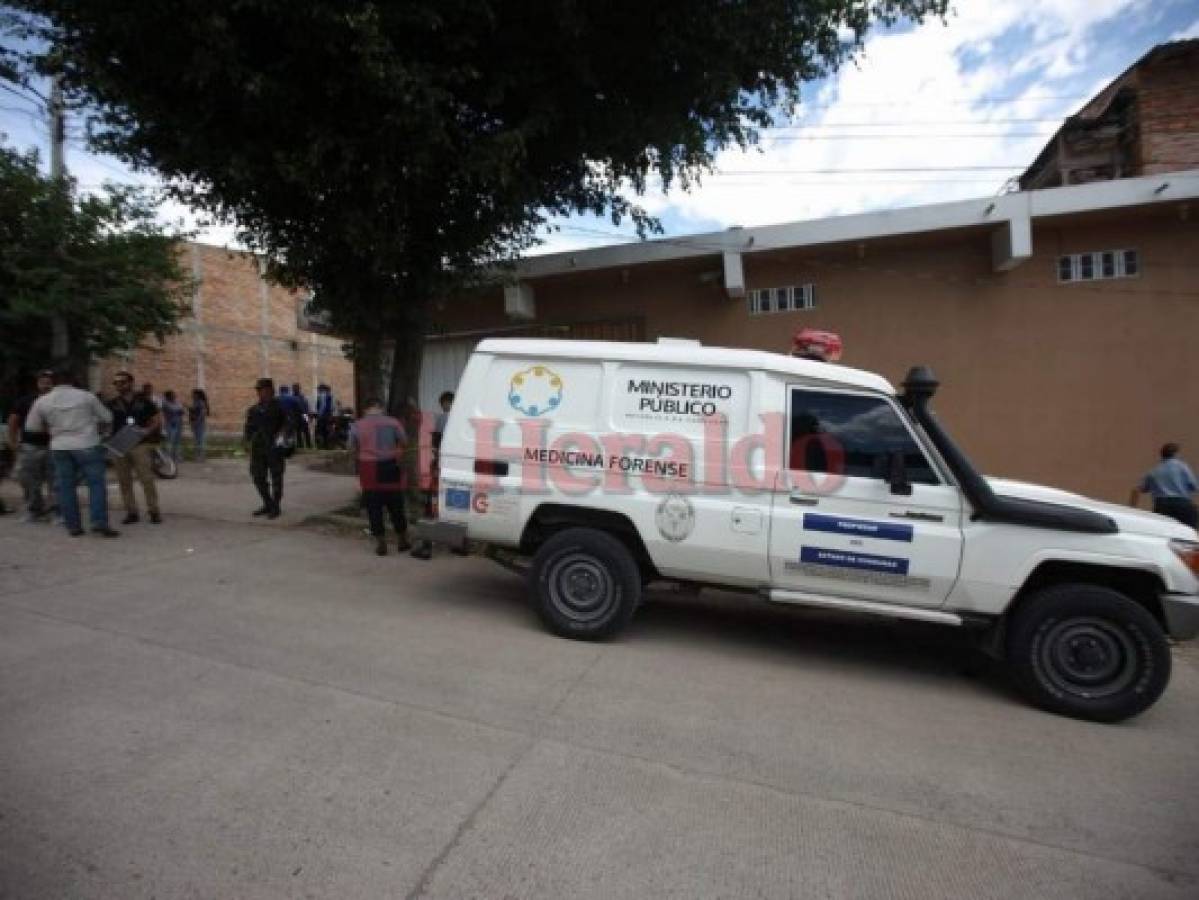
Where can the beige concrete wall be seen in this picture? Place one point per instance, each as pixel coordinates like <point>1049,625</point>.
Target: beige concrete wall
<point>1074,385</point>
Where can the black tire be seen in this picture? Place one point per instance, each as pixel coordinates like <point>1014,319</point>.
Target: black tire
<point>585,583</point>
<point>1089,652</point>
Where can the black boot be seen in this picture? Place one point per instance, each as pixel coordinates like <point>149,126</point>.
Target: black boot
<point>265,493</point>
<point>380,546</point>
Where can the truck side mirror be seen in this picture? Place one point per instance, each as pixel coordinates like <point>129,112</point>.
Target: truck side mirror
<point>897,474</point>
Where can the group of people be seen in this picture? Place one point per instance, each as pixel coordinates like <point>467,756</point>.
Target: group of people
<point>65,436</point>
<point>379,444</point>
<point>306,421</point>
<point>58,430</point>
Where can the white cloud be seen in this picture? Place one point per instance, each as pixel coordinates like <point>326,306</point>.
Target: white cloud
<point>916,100</point>
<point>1185,34</point>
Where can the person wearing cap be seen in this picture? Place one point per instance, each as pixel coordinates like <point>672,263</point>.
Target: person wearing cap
<point>1171,483</point>
<point>136,409</point>
<point>34,471</point>
<point>266,420</point>
<point>72,418</point>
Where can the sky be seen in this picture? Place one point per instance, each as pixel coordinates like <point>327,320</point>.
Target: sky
<point>945,110</point>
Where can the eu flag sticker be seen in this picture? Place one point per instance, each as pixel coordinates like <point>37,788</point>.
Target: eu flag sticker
<point>457,498</point>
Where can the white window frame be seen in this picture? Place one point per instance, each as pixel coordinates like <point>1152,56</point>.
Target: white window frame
<point>788,298</point>
<point>1095,258</point>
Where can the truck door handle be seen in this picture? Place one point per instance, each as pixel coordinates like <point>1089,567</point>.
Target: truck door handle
<point>804,500</point>
<point>919,516</point>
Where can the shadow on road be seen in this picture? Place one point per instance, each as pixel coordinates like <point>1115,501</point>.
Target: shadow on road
<point>736,625</point>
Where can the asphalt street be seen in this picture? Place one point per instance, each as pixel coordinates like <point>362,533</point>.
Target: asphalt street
<point>221,707</point>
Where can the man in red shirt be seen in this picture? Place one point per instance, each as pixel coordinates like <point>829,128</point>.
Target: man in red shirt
<point>378,441</point>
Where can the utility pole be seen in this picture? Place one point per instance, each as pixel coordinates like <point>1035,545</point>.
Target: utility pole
<point>60,340</point>
<point>58,130</point>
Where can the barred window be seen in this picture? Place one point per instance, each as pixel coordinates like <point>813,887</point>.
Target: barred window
<point>1099,265</point>
<point>782,299</point>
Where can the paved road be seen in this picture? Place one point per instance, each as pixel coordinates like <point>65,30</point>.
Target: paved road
<point>219,708</point>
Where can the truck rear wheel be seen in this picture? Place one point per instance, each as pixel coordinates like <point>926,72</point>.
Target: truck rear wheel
<point>1089,652</point>
<point>585,584</point>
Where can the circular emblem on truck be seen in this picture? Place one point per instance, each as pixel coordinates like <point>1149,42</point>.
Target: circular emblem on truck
<point>535,391</point>
<point>675,517</point>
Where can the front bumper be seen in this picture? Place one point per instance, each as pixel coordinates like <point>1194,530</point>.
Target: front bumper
<point>1182,615</point>
<point>452,534</point>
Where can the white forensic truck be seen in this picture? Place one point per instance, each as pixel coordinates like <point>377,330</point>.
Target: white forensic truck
<point>611,465</point>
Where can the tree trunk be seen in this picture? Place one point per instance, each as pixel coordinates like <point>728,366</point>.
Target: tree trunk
<point>408,342</point>
<point>368,367</point>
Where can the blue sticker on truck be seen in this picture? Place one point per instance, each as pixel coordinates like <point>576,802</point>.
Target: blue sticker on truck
<point>885,531</point>
<point>844,559</point>
<point>457,498</point>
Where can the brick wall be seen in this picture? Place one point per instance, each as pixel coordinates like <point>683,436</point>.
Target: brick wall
<point>240,329</point>
<point>1168,99</point>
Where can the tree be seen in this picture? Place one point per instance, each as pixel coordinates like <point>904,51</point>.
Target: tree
<point>383,153</point>
<point>101,261</point>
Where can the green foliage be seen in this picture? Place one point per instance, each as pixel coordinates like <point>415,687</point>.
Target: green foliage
<point>102,262</point>
<point>381,153</point>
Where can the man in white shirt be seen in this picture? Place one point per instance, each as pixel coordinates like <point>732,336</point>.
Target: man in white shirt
<point>72,418</point>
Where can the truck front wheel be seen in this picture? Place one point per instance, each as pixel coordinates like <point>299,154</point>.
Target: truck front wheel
<point>585,583</point>
<point>1087,651</point>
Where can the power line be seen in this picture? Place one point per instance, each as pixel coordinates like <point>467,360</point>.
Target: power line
<point>965,101</point>
<point>96,158</point>
<point>18,93</point>
<point>867,171</point>
<point>892,136</point>
<point>908,123</point>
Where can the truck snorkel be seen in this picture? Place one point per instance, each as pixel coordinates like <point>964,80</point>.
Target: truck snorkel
<point>918,389</point>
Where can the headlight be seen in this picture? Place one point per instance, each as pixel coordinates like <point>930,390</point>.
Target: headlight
<point>1188,552</point>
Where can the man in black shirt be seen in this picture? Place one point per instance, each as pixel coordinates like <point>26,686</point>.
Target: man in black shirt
<point>136,409</point>
<point>33,461</point>
<point>265,421</point>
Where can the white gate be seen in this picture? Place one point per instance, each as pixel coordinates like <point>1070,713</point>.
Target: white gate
<point>442,366</point>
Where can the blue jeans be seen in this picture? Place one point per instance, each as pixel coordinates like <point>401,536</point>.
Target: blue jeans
<point>199,432</point>
<point>174,433</point>
<point>68,464</point>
